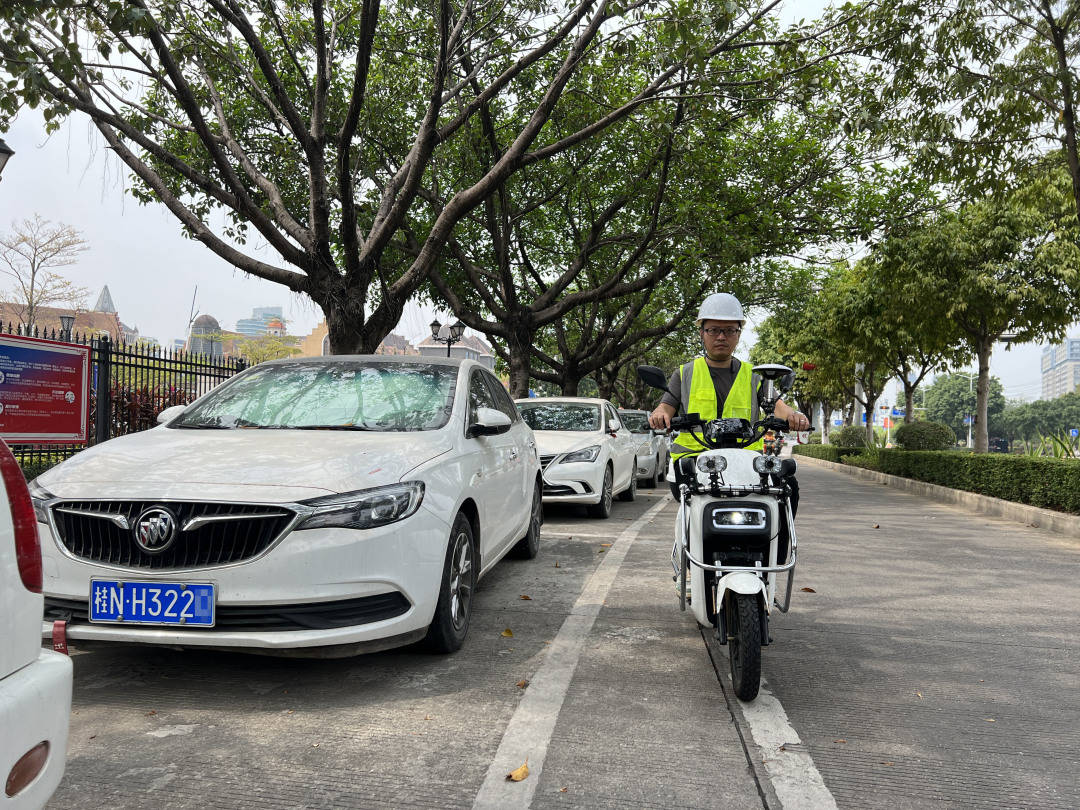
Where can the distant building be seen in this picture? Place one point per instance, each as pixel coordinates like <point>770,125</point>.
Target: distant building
<point>47,319</point>
<point>317,344</point>
<point>206,337</point>
<point>1061,368</point>
<point>256,325</point>
<point>469,346</point>
<point>105,302</point>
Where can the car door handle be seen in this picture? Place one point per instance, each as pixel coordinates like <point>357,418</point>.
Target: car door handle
<point>513,453</point>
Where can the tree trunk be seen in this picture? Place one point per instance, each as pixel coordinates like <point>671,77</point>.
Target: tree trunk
<point>982,396</point>
<point>346,330</point>
<point>826,421</point>
<point>570,386</point>
<point>871,404</point>
<point>909,402</point>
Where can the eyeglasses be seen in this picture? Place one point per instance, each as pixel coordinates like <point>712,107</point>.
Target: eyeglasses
<point>716,331</point>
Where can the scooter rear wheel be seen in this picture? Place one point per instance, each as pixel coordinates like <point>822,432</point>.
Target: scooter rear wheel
<point>743,619</point>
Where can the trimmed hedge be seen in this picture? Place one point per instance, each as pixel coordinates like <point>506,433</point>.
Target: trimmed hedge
<point>1048,482</point>
<point>828,452</point>
<point>925,436</point>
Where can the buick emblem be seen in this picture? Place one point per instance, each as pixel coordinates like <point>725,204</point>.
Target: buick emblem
<point>155,530</point>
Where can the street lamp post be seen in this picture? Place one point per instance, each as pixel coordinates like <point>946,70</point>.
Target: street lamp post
<point>970,417</point>
<point>449,335</point>
<point>5,153</point>
<point>66,322</point>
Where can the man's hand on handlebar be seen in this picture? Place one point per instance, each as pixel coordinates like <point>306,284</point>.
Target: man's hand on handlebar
<point>660,419</point>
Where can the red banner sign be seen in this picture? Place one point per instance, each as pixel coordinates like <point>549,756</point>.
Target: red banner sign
<point>44,391</point>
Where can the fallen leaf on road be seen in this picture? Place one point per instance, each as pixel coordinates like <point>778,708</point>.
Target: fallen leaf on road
<point>314,745</point>
<point>890,764</point>
<point>525,598</point>
<point>151,713</point>
<point>522,683</point>
<point>507,633</point>
<point>990,720</point>
<point>518,774</point>
<point>605,545</point>
<point>562,790</point>
<point>807,590</point>
<point>601,551</point>
<point>427,716</point>
<point>919,694</point>
<point>840,741</point>
<point>876,526</point>
<point>556,563</point>
<point>92,736</point>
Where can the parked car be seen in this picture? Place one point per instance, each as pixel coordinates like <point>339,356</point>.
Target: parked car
<point>652,452</point>
<point>35,684</point>
<point>330,505</point>
<point>586,452</point>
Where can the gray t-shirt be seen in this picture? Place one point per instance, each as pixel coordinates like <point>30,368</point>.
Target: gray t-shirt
<point>723,379</point>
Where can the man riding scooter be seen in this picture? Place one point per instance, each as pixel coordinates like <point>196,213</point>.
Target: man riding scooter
<point>717,384</point>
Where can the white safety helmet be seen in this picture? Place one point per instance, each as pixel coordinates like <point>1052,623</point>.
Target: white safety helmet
<point>721,307</point>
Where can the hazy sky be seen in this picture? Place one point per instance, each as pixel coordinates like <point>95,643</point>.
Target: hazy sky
<point>153,272</point>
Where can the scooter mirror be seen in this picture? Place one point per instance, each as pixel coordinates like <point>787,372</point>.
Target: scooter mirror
<point>653,377</point>
<point>786,382</point>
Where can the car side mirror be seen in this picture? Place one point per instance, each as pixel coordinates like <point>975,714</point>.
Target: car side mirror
<point>653,377</point>
<point>170,413</point>
<point>489,422</point>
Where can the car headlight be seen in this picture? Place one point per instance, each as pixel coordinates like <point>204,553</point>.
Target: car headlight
<point>39,496</point>
<point>364,508</point>
<point>766,465</point>
<point>590,453</point>
<point>708,464</point>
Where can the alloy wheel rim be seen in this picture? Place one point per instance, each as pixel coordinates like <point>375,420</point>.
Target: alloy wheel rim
<point>607,489</point>
<point>460,581</point>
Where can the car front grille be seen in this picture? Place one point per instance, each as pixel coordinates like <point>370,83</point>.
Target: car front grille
<point>263,618</point>
<point>547,459</point>
<point>208,534</point>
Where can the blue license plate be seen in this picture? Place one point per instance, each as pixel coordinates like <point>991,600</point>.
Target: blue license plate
<point>124,602</point>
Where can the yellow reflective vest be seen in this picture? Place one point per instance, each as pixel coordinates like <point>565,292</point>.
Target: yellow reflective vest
<point>739,403</point>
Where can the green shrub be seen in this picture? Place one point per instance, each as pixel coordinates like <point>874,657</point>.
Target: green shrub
<point>828,452</point>
<point>814,438</point>
<point>925,436</point>
<point>1048,482</point>
<point>849,436</point>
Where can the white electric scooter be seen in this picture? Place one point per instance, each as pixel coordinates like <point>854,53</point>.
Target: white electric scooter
<point>735,530</point>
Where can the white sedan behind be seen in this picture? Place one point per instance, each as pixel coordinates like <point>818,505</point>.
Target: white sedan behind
<point>587,453</point>
<point>332,505</point>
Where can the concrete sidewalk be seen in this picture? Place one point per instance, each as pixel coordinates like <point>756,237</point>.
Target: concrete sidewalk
<point>936,662</point>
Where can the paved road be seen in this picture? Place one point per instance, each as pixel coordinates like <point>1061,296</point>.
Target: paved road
<point>948,685</point>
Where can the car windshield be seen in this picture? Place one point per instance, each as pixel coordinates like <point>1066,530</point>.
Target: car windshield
<point>636,422</point>
<point>347,395</point>
<point>561,416</point>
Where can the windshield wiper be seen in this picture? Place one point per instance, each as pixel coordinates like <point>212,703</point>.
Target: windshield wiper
<point>328,427</point>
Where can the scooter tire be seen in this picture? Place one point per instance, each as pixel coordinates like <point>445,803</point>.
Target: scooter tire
<point>743,615</point>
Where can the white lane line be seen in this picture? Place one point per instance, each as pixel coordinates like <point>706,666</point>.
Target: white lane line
<point>529,731</point>
<point>789,766</point>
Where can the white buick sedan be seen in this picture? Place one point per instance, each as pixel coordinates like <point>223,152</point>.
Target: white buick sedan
<point>327,506</point>
<point>587,453</point>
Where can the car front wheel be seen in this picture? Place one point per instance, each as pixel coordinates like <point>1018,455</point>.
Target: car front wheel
<point>603,509</point>
<point>529,546</point>
<point>630,492</point>
<point>450,624</point>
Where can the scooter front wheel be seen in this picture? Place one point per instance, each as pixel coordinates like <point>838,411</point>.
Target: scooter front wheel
<point>743,619</point>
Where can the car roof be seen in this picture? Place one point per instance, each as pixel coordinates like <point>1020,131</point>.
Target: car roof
<point>384,359</point>
<point>571,400</point>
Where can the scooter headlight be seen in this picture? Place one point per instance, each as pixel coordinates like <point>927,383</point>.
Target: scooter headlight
<point>709,464</point>
<point>767,465</point>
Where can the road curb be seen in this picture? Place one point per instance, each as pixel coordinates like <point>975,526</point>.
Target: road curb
<point>1060,523</point>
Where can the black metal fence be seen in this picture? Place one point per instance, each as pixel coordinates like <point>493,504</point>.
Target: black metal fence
<point>130,384</point>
